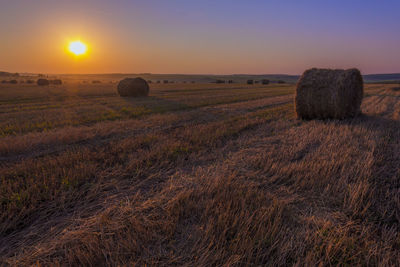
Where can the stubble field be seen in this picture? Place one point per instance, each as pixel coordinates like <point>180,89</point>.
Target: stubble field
<point>195,174</point>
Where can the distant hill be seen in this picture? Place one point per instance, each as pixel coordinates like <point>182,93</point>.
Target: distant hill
<point>208,78</point>
<point>198,78</point>
<point>377,78</point>
<point>8,74</point>
<point>237,78</point>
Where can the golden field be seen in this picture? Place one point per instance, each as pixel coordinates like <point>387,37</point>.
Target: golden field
<point>195,175</point>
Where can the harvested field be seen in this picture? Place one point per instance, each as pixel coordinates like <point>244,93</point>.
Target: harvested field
<point>195,174</point>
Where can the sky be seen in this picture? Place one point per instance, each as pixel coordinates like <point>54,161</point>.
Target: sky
<point>200,37</point>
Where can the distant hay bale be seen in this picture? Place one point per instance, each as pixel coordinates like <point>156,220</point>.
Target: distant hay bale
<point>230,81</point>
<point>55,82</point>
<point>30,81</point>
<point>43,82</point>
<point>3,81</point>
<point>96,81</point>
<point>13,81</point>
<point>250,82</point>
<point>133,87</point>
<point>281,81</point>
<point>219,81</point>
<point>329,94</point>
<point>165,81</point>
<point>265,81</point>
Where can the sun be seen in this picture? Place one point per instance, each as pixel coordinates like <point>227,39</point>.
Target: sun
<point>77,48</point>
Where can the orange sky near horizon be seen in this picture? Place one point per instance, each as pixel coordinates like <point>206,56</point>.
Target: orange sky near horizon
<point>128,37</point>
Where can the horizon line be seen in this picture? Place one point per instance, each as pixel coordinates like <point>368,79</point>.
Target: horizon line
<point>183,74</point>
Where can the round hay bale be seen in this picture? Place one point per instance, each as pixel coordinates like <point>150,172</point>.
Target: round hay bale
<point>43,82</point>
<point>13,81</point>
<point>329,94</point>
<point>133,87</point>
<point>56,82</point>
<point>250,82</point>
<point>265,81</point>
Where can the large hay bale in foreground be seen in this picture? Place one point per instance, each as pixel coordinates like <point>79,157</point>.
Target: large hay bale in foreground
<point>43,82</point>
<point>329,94</point>
<point>133,87</point>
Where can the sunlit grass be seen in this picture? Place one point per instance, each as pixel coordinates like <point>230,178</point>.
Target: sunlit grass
<point>220,178</point>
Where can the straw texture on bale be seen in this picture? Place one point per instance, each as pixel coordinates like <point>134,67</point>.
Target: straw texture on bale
<point>329,94</point>
<point>133,87</point>
<point>43,82</point>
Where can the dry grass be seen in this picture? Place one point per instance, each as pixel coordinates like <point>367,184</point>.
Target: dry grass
<point>221,175</point>
<point>29,108</point>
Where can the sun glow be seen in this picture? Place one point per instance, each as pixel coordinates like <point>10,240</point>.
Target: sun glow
<point>77,48</point>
